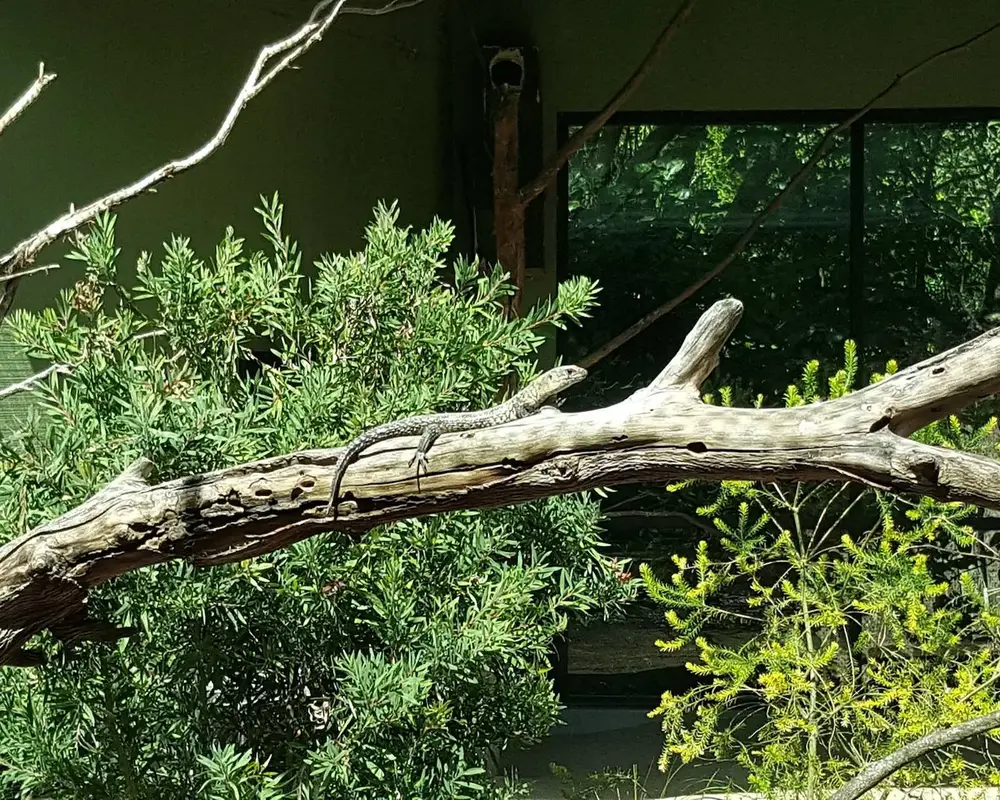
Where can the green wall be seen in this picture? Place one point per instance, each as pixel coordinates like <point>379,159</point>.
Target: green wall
<point>140,83</point>
<point>374,109</point>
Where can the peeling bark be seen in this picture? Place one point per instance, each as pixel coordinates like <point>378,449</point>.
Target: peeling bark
<point>661,433</point>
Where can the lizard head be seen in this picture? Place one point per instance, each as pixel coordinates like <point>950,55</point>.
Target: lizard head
<point>553,381</point>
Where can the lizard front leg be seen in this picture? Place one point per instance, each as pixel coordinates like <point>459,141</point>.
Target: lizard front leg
<point>430,434</point>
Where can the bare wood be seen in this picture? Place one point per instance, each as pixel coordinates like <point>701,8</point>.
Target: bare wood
<point>826,143</point>
<point>378,11</point>
<point>548,174</point>
<point>661,433</point>
<point>875,773</point>
<point>273,58</point>
<point>14,276</point>
<point>29,96</point>
<point>508,213</point>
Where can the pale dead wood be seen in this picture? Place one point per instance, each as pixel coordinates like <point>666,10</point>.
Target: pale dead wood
<point>388,8</point>
<point>34,381</point>
<point>29,96</point>
<point>30,383</point>
<point>872,775</point>
<point>661,433</point>
<point>271,60</point>
<point>25,272</point>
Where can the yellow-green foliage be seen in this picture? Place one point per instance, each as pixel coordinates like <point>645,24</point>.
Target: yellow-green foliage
<point>797,704</point>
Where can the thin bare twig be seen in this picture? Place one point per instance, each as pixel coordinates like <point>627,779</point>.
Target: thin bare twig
<point>22,273</point>
<point>30,96</point>
<point>65,369</point>
<point>548,174</point>
<point>796,180</point>
<point>34,380</point>
<point>150,334</point>
<point>388,8</point>
<point>285,50</point>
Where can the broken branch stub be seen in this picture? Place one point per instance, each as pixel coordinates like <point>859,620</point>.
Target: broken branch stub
<point>661,433</point>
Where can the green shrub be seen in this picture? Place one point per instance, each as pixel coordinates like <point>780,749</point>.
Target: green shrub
<point>799,704</point>
<point>385,668</point>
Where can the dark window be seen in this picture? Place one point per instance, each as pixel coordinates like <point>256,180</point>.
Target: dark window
<point>891,241</point>
<point>931,213</point>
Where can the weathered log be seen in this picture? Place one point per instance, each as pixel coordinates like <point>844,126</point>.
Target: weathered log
<point>661,433</point>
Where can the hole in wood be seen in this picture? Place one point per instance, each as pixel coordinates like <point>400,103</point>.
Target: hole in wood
<point>507,70</point>
<point>937,370</point>
<point>879,424</point>
<point>697,447</point>
<point>927,471</point>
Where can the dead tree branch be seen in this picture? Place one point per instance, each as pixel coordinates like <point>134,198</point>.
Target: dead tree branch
<point>271,60</point>
<point>824,147</point>
<point>25,272</point>
<point>388,8</point>
<point>875,773</point>
<point>661,433</point>
<point>30,95</point>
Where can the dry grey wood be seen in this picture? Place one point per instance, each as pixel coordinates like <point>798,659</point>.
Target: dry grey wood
<point>661,433</point>
<point>872,775</point>
<point>29,96</point>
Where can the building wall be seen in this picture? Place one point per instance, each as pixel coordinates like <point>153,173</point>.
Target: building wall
<point>373,111</point>
<point>756,55</point>
<point>140,83</point>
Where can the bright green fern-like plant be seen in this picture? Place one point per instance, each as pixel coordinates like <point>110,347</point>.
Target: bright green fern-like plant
<point>388,667</point>
<point>849,640</point>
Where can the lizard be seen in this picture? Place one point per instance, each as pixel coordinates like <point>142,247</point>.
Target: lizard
<point>524,403</point>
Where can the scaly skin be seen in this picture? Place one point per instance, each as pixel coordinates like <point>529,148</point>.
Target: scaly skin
<point>525,403</point>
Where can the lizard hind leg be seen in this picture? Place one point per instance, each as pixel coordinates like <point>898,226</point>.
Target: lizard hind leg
<point>430,434</point>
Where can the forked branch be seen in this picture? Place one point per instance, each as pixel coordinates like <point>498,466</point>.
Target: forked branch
<point>661,433</point>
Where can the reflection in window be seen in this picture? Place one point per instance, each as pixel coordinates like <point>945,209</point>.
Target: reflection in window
<point>932,210</point>
<point>649,209</point>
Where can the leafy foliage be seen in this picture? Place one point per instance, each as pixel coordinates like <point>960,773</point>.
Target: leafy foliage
<point>798,702</point>
<point>388,667</point>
